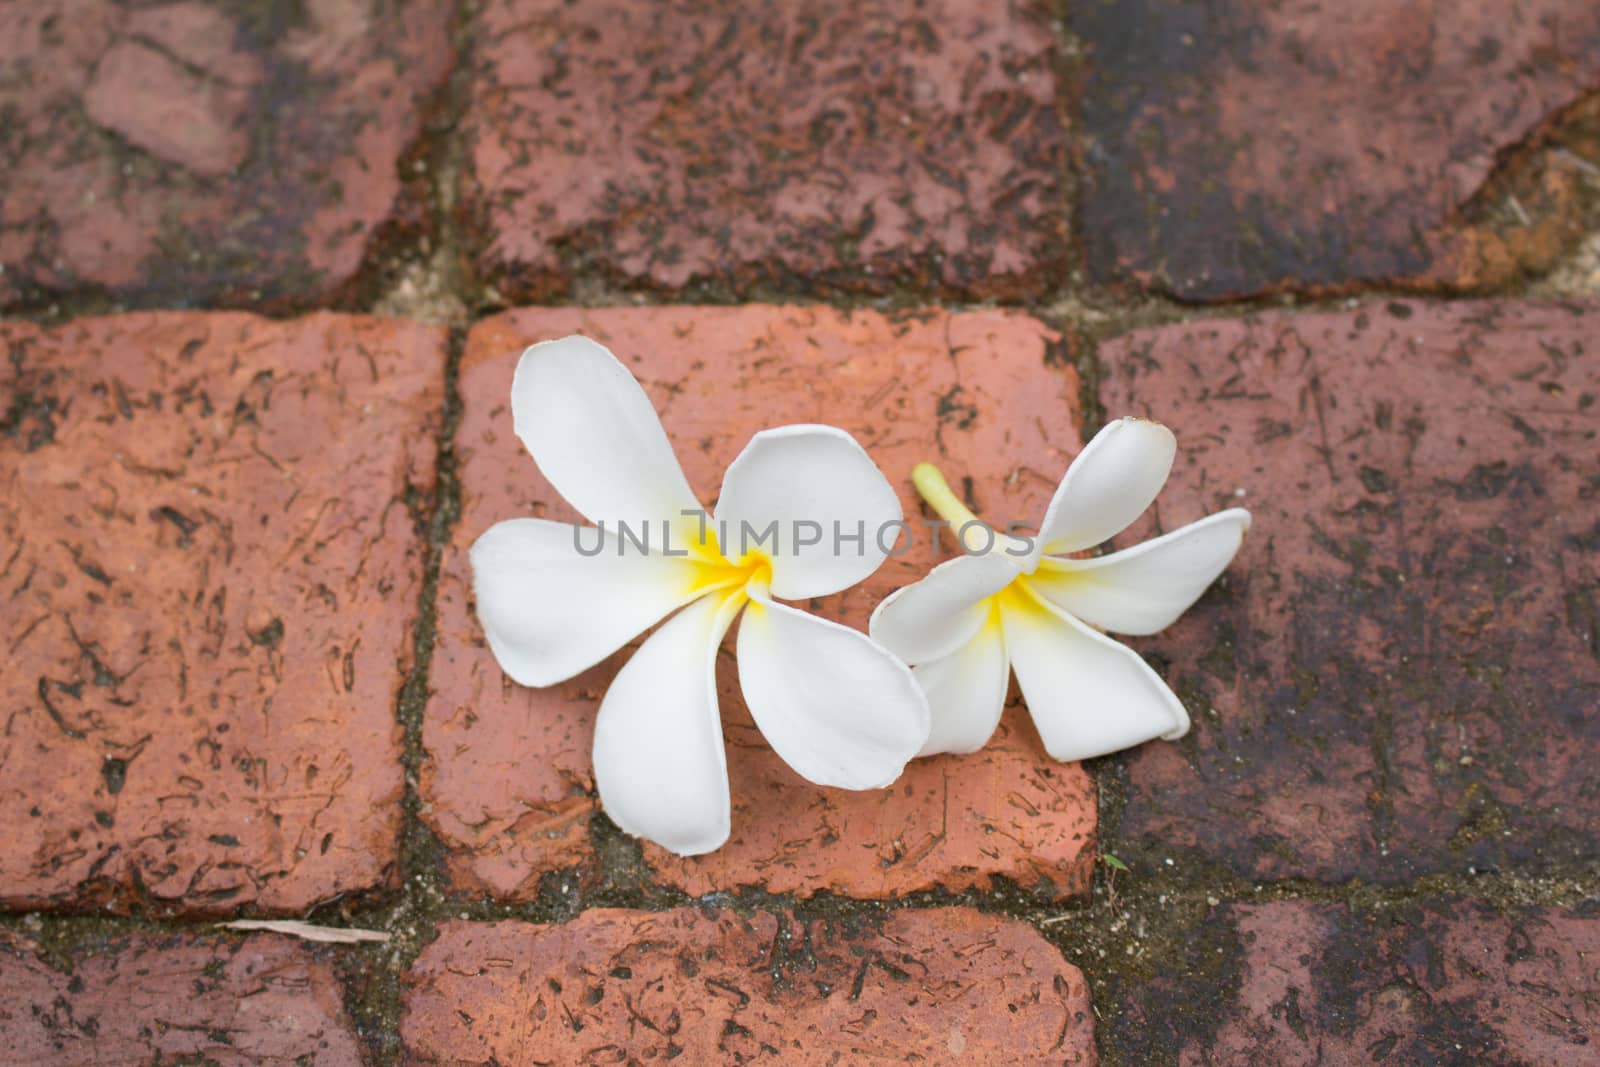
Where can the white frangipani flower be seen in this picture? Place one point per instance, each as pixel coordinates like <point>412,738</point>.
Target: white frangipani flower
<point>556,599</point>
<point>1010,604</point>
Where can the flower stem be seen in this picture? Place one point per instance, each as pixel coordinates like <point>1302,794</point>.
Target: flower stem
<point>940,497</point>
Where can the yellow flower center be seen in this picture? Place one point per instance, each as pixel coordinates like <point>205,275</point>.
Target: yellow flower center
<point>712,570</point>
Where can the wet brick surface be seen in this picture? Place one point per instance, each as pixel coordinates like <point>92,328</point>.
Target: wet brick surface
<point>1238,147</point>
<point>1400,674</point>
<point>194,152</point>
<point>1446,982</point>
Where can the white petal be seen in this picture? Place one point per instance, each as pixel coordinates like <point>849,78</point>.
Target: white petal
<point>966,692</point>
<point>551,612</point>
<point>595,435</point>
<point>1143,589</point>
<point>833,703</point>
<point>1088,695</point>
<point>658,755</point>
<point>930,619</point>
<point>813,482</point>
<point>1112,481</point>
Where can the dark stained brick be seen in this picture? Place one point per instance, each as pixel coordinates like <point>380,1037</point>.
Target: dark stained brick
<point>1239,146</point>
<point>859,144</point>
<point>1401,672</point>
<point>252,1002</point>
<point>1447,982</point>
<point>192,152</point>
<point>508,784</point>
<point>940,986</point>
<point>207,593</point>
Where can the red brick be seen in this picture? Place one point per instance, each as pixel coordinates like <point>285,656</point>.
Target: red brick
<point>942,986</point>
<point>858,144</point>
<point>186,153</point>
<point>1446,982</point>
<point>208,595</point>
<point>262,1001</point>
<point>1241,147</point>
<point>509,785</point>
<point>152,101</point>
<point>1400,674</point>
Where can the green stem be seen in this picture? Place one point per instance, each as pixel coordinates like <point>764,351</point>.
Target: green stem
<point>940,497</point>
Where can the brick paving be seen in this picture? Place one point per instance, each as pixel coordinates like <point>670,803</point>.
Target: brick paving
<point>1239,148</point>
<point>850,144</point>
<point>176,999</point>
<point>189,152</point>
<point>716,987</point>
<point>1412,620</point>
<point>1447,982</point>
<point>210,583</point>
<point>223,534</point>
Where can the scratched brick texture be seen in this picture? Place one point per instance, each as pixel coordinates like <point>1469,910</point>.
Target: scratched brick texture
<point>208,586</point>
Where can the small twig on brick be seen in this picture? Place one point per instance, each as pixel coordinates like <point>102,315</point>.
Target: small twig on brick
<point>1578,161</point>
<point>1052,920</point>
<point>336,935</point>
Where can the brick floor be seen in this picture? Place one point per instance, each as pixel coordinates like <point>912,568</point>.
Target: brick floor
<point>209,584</point>
<point>190,152</point>
<point>263,1001</point>
<point>1234,147</point>
<point>1399,676</point>
<point>1446,982</point>
<point>1379,843</point>
<point>941,986</point>
<point>508,785</point>
<point>858,144</point>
